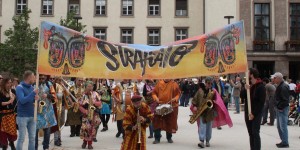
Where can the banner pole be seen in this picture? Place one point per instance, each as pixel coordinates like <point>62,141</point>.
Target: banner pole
<point>37,73</point>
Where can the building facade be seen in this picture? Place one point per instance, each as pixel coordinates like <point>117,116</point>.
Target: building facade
<point>152,22</point>
<point>273,35</point>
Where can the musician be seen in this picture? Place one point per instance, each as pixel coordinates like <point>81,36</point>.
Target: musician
<point>73,115</point>
<point>90,119</point>
<point>8,132</point>
<point>45,115</point>
<point>105,92</point>
<point>166,91</point>
<point>59,109</point>
<point>147,93</point>
<point>119,106</point>
<point>215,115</point>
<point>135,133</point>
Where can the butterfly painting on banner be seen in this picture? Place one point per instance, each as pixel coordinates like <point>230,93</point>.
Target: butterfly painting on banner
<point>65,52</point>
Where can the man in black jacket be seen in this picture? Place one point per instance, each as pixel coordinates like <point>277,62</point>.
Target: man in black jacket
<point>257,99</point>
<point>282,109</point>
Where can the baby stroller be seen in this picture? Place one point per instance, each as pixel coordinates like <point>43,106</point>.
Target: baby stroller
<point>294,114</point>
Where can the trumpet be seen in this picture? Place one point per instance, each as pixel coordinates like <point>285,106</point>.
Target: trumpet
<point>42,104</point>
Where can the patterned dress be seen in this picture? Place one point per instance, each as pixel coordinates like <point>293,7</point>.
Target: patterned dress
<point>88,127</point>
<point>45,116</point>
<point>130,119</point>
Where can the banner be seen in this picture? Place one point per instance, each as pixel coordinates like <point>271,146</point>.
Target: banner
<point>65,52</point>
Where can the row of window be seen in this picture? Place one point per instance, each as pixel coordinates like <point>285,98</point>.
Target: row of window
<point>154,35</point>
<point>262,21</point>
<point>100,7</point>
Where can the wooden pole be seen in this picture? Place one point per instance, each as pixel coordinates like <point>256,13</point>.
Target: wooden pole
<point>37,73</point>
<point>248,92</point>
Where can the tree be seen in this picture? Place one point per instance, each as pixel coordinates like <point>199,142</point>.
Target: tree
<point>71,23</point>
<point>19,51</point>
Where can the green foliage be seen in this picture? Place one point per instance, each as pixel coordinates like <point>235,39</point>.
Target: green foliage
<point>71,23</point>
<point>19,51</point>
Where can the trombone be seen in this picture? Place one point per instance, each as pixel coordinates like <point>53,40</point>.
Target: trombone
<point>73,98</point>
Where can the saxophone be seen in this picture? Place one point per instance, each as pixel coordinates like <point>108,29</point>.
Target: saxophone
<point>208,105</point>
<point>42,102</point>
<point>91,108</point>
<point>76,105</point>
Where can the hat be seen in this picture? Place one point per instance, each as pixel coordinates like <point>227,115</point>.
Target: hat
<point>136,98</point>
<point>277,75</point>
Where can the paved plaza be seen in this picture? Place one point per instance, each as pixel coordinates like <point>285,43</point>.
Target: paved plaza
<point>235,138</point>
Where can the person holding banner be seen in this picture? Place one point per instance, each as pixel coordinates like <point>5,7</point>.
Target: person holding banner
<point>45,115</point>
<point>257,100</point>
<point>89,102</point>
<point>26,96</point>
<point>137,118</point>
<point>73,115</point>
<point>166,92</point>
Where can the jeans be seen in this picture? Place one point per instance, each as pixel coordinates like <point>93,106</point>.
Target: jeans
<point>23,124</point>
<point>282,123</point>
<point>157,134</point>
<point>253,127</point>
<point>237,103</point>
<point>46,140</point>
<point>205,130</point>
<point>151,129</point>
<point>184,100</point>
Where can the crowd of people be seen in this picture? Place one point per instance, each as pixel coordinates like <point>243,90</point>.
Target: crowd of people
<point>136,106</point>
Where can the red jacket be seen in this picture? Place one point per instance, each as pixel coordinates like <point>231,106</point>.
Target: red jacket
<point>297,90</point>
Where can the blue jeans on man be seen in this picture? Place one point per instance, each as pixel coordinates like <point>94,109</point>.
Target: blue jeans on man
<point>205,130</point>
<point>46,140</point>
<point>26,123</point>
<point>237,103</point>
<point>282,123</point>
<point>184,100</point>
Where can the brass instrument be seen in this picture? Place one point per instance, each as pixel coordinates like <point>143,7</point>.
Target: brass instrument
<point>42,103</point>
<point>91,108</point>
<point>139,127</point>
<point>78,95</point>
<point>208,105</point>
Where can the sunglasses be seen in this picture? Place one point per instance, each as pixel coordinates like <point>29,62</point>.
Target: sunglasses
<point>51,78</point>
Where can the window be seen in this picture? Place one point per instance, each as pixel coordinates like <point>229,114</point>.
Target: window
<point>127,35</point>
<point>0,7</point>
<point>0,33</point>
<point>74,6</point>
<point>181,33</point>
<point>47,7</point>
<point>181,8</point>
<point>154,8</point>
<point>127,7</point>
<point>262,22</point>
<point>100,8</point>
<point>100,33</point>
<point>154,36</point>
<point>295,21</point>
<point>21,6</point>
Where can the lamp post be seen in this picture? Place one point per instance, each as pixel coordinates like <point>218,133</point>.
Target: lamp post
<point>77,18</point>
<point>228,17</point>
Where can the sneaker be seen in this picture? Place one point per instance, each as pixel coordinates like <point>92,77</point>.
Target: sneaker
<point>95,140</point>
<point>72,135</point>
<point>263,123</point>
<point>201,145</point>
<point>118,134</point>
<point>170,141</point>
<point>207,144</point>
<point>156,141</point>
<point>270,124</point>
<point>219,128</point>
<point>57,143</point>
<point>90,147</point>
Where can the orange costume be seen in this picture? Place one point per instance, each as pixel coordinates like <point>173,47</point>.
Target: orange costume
<point>163,93</point>
<point>130,119</point>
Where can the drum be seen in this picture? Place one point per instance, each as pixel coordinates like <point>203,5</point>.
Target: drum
<point>163,109</point>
